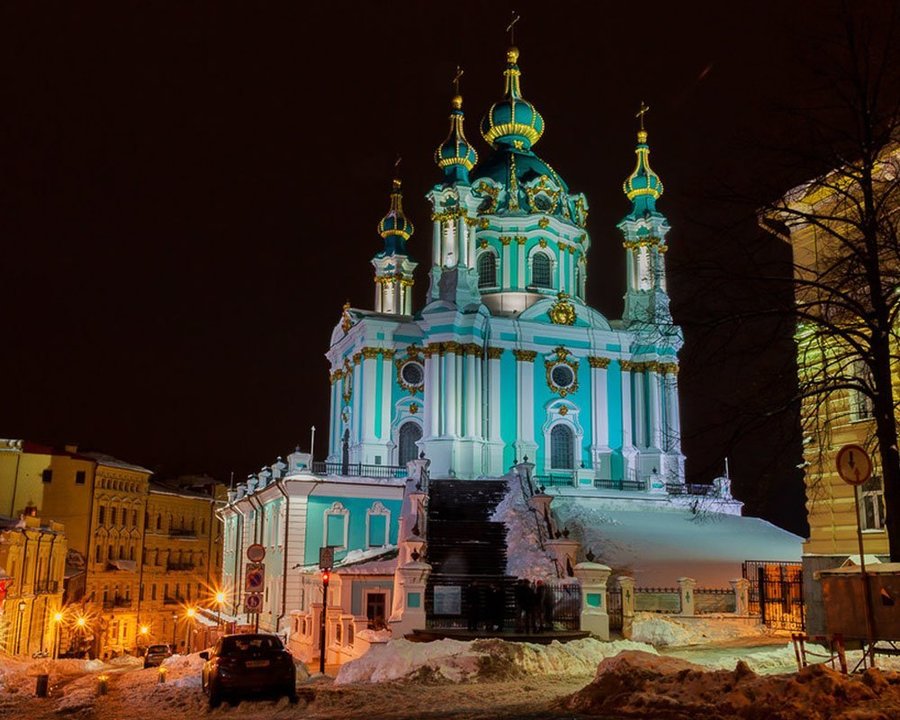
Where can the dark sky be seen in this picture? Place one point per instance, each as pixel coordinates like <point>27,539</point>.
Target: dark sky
<point>189,193</point>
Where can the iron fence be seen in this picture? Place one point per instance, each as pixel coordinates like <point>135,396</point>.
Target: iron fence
<point>614,607</point>
<point>631,485</point>
<point>776,593</point>
<point>321,467</point>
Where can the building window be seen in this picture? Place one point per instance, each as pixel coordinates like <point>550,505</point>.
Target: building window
<point>101,515</point>
<point>80,477</point>
<point>410,433</point>
<point>336,526</point>
<point>487,270</point>
<point>872,507</point>
<point>860,403</point>
<point>97,552</point>
<point>378,519</point>
<point>47,476</point>
<point>158,522</point>
<point>153,591</point>
<point>541,271</point>
<point>112,516</point>
<point>376,602</point>
<point>562,444</point>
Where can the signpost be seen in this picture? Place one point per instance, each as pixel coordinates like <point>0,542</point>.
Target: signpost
<point>855,467</point>
<point>254,581</point>
<point>326,562</point>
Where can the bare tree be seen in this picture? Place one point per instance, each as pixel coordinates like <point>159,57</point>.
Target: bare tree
<point>843,229</point>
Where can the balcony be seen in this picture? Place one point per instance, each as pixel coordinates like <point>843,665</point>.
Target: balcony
<point>116,603</point>
<point>358,470</point>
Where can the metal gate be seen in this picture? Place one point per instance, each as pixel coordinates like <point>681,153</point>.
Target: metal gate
<point>776,593</point>
<point>614,607</point>
<point>566,613</point>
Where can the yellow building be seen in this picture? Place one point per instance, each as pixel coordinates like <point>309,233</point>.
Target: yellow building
<point>24,468</point>
<point>32,565</point>
<point>841,413</point>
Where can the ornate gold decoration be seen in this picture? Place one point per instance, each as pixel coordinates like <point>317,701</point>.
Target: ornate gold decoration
<point>542,186</point>
<point>513,187</point>
<point>370,353</point>
<point>581,211</point>
<point>484,223</point>
<point>346,320</point>
<point>563,357</point>
<point>413,354</point>
<point>433,349</point>
<point>356,358</point>
<point>451,214</point>
<point>668,368</point>
<point>524,355</point>
<point>562,312</point>
<point>521,240</point>
<point>483,244</point>
<point>542,242</point>
<point>494,353</point>
<point>490,193</point>
<point>564,411</point>
<point>571,249</point>
<point>505,240</point>
<point>472,349</point>
<point>347,376</point>
<point>451,346</point>
<point>388,353</point>
<point>413,408</point>
<point>599,362</point>
<point>629,365</point>
<point>543,222</point>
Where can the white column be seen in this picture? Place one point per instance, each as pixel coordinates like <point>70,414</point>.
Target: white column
<point>560,262</point>
<point>436,243</point>
<point>520,259</point>
<point>335,435</point>
<point>369,367</point>
<point>407,302</point>
<point>462,241</point>
<point>655,409</point>
<point>459,389</point>
<point>432,393</point>
<point>507,268</point>
<point>478,365</point>
<point>470,240</point>
<point>387,377</point>
<point>673,419</point>
<point>356,429</point>
<point>449,376</point>
<point>640,415</point>
<point>627,402</point>
<point>470,384</point>
<point>600,404</point>
<point>494,405</point>
<point>629,269</point>
<point>572,289</point>
<point>525,381</point>
<point>379,291</point>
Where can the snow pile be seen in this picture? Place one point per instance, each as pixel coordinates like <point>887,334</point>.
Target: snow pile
<point>491,659</point>
<point>525,559</point>
<point>638,685</point>
<point>182,663</point>
<point>375,636</point>
<point>674,631</point>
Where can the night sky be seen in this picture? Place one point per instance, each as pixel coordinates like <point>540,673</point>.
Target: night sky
<point>189,193</point>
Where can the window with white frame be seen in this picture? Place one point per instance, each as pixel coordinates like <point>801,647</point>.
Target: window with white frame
<point>378,519</point>
<point>487,270</point>
<point>336,531</point>
<point>562,447</point>
<point>872,504</point>
<point>860,403</point>
<point>541,271</point>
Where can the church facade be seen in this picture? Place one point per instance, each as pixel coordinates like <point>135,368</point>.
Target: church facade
<point>506,360</point>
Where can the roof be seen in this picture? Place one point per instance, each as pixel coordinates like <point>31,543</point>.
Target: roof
<point>170,488</point>
<point>110,461</point>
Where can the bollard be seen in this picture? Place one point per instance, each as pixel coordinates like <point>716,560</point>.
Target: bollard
<point>102,684</point>
<point>42,686</point>
<point>161,675</point>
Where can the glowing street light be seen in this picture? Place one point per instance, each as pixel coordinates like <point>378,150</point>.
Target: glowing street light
<point>57,619</point>
<point>220,600</point>
<point>191,612</point>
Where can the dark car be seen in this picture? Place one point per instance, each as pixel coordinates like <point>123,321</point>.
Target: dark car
<point>155,654</point>
<point>241,666</point>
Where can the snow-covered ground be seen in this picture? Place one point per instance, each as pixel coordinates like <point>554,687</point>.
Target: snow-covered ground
<point>694,671</point>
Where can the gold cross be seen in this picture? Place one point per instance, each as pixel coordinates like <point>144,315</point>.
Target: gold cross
<point>642,112</point>
<point>511,28</point>
<point>459,74</point>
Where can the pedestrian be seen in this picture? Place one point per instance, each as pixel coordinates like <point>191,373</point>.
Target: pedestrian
<point>539,618</point>
<point>523,595</point>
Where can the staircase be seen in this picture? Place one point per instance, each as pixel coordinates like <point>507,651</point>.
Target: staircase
<point>465,547</point>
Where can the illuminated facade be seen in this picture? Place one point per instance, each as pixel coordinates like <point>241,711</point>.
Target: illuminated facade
<point>506,360</point>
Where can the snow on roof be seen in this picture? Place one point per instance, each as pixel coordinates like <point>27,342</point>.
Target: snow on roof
<point>657,548</point>
<point>129,565</point>
<point>110,461</point>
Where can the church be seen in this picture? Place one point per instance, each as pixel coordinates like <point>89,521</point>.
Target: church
<point>506,361</point>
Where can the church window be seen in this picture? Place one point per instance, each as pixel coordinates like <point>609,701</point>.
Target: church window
<point>410,433</point>
<point>562,375</point>
<point>562,445</point>
<point>541,272</point>
<point>872,509</point>
<point>542,203</point>
<point>487,270</point>
<point>336,530</point>
<point>412,374</point>
<point>378,518</point>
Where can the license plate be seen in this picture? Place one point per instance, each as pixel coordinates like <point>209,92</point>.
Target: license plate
<point>256,663</point>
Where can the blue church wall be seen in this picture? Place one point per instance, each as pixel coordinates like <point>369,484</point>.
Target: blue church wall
<point>509,405</point>
<point>614,395</point>
<point>356,517</point>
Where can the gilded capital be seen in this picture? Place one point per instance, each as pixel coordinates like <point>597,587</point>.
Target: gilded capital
<point>505,240</point>
<point>494,353</point>
<point>598,362</point>
<point>525,355</point>
<point>370,353</point>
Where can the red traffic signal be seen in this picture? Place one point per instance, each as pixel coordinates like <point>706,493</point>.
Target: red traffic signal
<point>326,576</point>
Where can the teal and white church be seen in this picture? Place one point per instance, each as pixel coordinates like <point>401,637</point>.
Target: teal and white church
<point>506,360</point>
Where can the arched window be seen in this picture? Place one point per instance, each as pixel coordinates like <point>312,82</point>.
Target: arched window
<point>577,290</point>
<point>410,433</point>
<point>562,448</point>
<point>541,274</point>
<point>487,270</point>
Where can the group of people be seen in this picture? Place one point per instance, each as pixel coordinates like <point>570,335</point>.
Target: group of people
<point>486,606</point>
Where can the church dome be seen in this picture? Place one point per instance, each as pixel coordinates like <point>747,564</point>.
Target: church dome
<point>456,155</point>
<point>643,187</point>
<point>395,227</point>
<point>513,121</point>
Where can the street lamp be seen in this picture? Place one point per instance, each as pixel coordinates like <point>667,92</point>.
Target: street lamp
<point>143,631</point>
<point>220,600</point>
<point>57,619</point>
<point>174,628</point>
<point>81,624</point>
<point>22,606</point>
<point>190,626</point>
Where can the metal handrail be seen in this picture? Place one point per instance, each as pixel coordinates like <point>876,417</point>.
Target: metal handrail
<point>322,467</point>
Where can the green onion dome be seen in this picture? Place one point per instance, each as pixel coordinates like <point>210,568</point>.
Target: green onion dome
<point>513,121</point>
<point>456,155</point>
<point>643,187</point>
<point>395,227</point>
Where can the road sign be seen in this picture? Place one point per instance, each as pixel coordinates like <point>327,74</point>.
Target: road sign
<point>854,465</point>
<point>326,557</point>
<point>253,603</point>
<point>256,553</point>
<point>254,577</point>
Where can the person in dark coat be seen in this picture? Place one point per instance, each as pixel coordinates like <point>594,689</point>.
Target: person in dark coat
<point>473,605</point>
<point>524,602</point>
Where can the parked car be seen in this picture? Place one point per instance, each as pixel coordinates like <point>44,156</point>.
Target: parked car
<point>241,666</point>
<point>155,654</point>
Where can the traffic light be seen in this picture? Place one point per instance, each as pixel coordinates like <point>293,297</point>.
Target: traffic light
<point>326,576</point>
